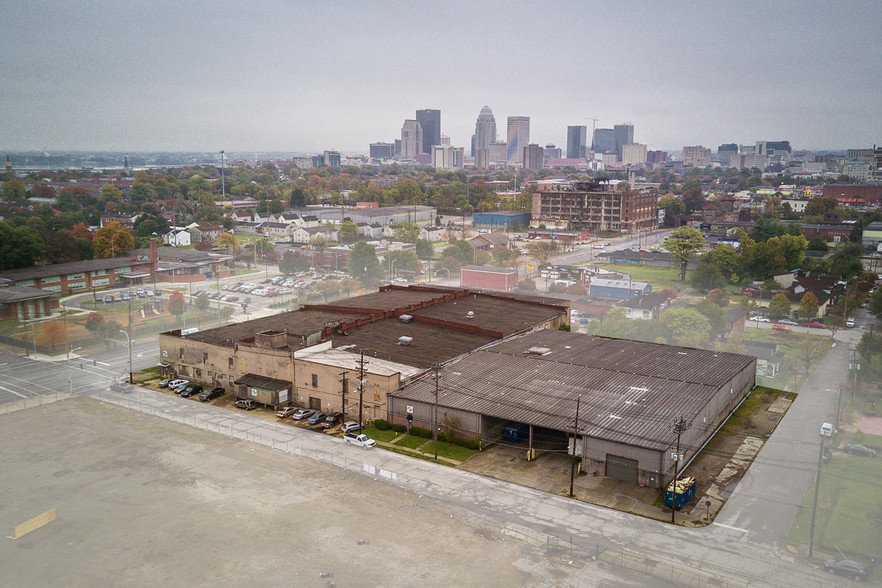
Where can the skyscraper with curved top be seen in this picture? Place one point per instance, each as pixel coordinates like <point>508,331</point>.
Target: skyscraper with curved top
<point>485,131</point>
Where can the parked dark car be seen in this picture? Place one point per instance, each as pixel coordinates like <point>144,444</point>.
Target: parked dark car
<point>855,449</point>
<point>191,390</point>
<point>246,403</point>
<point>846,567</point>
<point>211,394</point>
<point>164,383</point>
<point>317,418</point>
<point>332,419</point>
<point>303,413</point>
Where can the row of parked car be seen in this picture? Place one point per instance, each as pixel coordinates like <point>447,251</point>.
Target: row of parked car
<point>313,417</point>
<point>126,295</point>
<point>186,389</point>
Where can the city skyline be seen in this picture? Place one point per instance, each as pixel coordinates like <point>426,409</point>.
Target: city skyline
<point>294,77</point>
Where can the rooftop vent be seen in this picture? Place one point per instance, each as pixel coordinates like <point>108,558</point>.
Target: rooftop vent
<point>404,340</point>
<point>538,350</point>
<point>470,314</point>
<point>405,318</point>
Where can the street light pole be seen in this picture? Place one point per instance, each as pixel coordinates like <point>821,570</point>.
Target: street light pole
<point>129,344</point>
<point>815,505</point>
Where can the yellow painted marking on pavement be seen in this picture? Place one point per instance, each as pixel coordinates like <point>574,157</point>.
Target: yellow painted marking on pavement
<point>33,524</point>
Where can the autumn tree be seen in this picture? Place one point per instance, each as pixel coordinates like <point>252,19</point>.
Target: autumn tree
<point>719,297</point>
<point>808,306</point>
<point>94,322</point>
<point>327,288</point>
<point>683,245</point>
<point>779,305</point>
<point>176,303</point>
<point>407,232</point>
<point>227,241</point>
<point>112,240</point>
<point>542,251</point>
<point>51,333</point>
<point>349,285</point>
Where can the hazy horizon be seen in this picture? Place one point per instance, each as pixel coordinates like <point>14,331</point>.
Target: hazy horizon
<point>302,78</point>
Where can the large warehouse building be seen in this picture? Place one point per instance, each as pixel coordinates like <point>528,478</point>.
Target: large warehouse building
<point>628,395</point>
<point>303,357</point>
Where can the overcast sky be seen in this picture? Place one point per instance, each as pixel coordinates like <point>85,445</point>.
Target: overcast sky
<point>307,76</point>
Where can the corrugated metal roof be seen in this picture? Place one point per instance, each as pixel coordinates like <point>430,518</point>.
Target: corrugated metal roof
<point>631,392</point>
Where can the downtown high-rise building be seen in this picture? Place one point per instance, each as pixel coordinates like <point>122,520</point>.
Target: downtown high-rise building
<point>604,141</point>
<point>624,135</point>
<point>485,131</point>
<point>411,139</point>
<point>430,122</point>
<point>533,157</point>
<point>518,138</point>
<point>577,141</point>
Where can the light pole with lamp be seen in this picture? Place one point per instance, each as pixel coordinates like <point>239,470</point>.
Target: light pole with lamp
<point>129,345</point>
<point>69,368</point>
<point>392,269</point>
<point>815,505</point>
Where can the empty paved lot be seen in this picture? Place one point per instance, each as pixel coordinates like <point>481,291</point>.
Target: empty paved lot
<point>142,501</point>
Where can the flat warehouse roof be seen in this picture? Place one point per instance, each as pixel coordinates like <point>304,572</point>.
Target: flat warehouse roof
<point>628,392</point>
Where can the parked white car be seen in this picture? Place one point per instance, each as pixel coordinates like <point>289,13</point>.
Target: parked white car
<point>760,319</point>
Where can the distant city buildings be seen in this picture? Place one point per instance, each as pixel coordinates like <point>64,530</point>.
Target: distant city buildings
<point>624,135</point>
<point>634,154</point>
<point>411,139</point>
<point>604,141</point>
<point>552,152</point>
<point>485,132</point>
<point>533,157</point>
<point>577,137</point>
<point>518,138</point>
<point>382,150</point>
<point>430,123</point>
<point>594,206</point>
<point>696,156</point>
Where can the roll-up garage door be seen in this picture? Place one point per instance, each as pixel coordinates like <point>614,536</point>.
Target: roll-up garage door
<point>621,468</point>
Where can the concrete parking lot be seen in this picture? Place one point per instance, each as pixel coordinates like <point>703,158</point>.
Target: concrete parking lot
<point>144,501</point>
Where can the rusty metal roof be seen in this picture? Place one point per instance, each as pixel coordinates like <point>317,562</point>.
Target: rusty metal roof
<point>631,392</point>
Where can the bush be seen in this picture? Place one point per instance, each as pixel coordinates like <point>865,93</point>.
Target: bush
<point>527,284</point>
<point>381,424</point>
<point>421,432</point>
<point>474,444</point>
<point>398,428</point>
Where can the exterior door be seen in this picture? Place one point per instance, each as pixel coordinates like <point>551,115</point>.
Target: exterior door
<point>621,468</point>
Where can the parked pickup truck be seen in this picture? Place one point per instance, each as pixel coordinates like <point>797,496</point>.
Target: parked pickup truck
<point>360,440</point>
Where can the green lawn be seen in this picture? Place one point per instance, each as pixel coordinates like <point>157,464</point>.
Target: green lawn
<point>410,441</point>
<point>378,435</point>
<point>659,277</point>
<point>849,508</point>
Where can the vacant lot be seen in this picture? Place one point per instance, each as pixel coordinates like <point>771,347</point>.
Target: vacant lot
<point>144,502</point>
<point>849,513</point>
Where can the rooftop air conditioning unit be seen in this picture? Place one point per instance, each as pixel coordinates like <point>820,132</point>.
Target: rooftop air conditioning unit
<point>405,340</point>
<point>405,318</point>
<point>470,314</point>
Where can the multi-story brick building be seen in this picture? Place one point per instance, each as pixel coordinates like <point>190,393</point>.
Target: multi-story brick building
<point>595,206</point>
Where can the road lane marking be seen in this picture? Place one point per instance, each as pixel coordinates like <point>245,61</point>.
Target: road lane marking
<point>33,524</point>
<point>731,527</point>
<point>13,391</point>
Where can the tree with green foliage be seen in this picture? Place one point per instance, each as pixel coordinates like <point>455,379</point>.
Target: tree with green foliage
<point>460,250</point>
<point>542,251</point>
<point>227,242</point>
<point>846,261</point>
<point>716,317</point>
<point>403,260</point>
<point>407,232</point>
<point>349,285</point>
<point>684,244</point>
<point>293,263</point>
<point>808,306</point>
<point>147,224</point>
<point>348,232</point>
<point>363,262</point>
<point>424,249</point>
<point>327,289</point>
<point>202,303</point>
<point>686,327</point>
<point>13,190</point>
<point>674,209</point>
<point>719,297</point>
<point>706,276</point>
<point>19,247</point>
<point>779,306</point>
<point>765,228</point>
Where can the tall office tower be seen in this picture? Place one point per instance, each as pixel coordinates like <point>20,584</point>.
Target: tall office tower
<point>725,152</point>
<point>411,139</point>
<point>577,138</point>
<point>552,151</point>
<point>485,130</point>
<point>624,135</point>
<point>518,138</point>
<point>533,157</point>
<point>430,121</point>
<point>604,141</point>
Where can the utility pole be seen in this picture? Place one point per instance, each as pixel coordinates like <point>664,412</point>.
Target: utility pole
<point>361,364</point>
<point>575,438</point>
<point>855,366</point>
<point>815,506</point>
<point>678,427</point>
<point>223,185</point>
<point>131,338</point>
<point>435,413</point>
<point>345,383</point>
